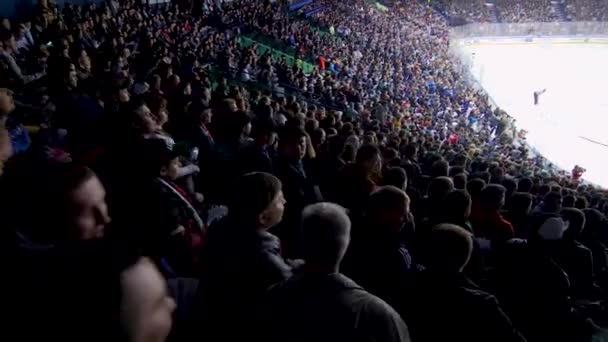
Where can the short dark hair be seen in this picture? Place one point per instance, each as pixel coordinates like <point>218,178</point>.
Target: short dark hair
<point>460,181</point>
<point>450,248</point>
<point>291,135</point>
<point>576,222</point>
<point>440,187</point>
<point>492,196</point>
<point>581,203</point>
<point>474,187</point>
<point>455,205</point>
<point>520,202</point>
<point>386,197</point>
<point>525,185</point>
<point>252,194</point>
<point>395,176</point>
<point>440,168</point>
<point>367,152</point>
<point>568,201</point>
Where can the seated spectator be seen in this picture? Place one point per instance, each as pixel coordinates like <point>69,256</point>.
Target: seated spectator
<point>433,306</point>
<point>241,259</point>
<point>321,304</point>
<point>377,259</point>
<point>489,223</point>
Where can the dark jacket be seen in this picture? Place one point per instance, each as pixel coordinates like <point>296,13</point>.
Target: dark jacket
<point>299,190</point>
<point>449,307</point>
<point>378,263</point>
<point>240,264</point>
<point>329,308</point>
<point>255,158</point>
<point>534,291</point>
<point>353,188</point>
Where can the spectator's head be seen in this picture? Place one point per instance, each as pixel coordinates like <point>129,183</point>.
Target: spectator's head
<point>439,188</point>
<point>492,197</point>
<point>396,177</point>
<point>257,200</point>
<point>293,143</point>
<point>497,175</point>
<point>142,119</point>
<point>200,113</point>
<point>450,248</point>
<point>456,207</point>
<point>552,203</point>
<point>595,225</point>
<point>460,181</point>
<point>568,201</point>
<point>581,203</point>
<point>325,236</point>
<point>7,104</point>
<point>67,203</point>
<point>543,190</point>
<point>264,132</point>
<point>576,223</point>
<point>388,207</point>
<point>510,186</point>
<point>368,157</point>
<point>521,204</point>
<point>159,160</point>
<point>6,148</point>
<point>454,170</point>
<point>107,294</point>
<point>525,185</point>
<point>440,168</point>
<point>474,187</point>
<point>410,151</point>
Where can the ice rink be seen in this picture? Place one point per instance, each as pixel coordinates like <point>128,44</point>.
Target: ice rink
<point>573,111</point>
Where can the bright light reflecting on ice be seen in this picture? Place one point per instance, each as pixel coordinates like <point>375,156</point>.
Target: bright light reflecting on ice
<point>574,106</point>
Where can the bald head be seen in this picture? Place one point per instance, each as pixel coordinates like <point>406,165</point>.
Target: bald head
<point>326,235</point>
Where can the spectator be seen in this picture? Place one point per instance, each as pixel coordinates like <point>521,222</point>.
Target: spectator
<point>489,223</point>
<point>321,304</point>
<point>519,213</point>
<point>258,156</point>
<point>299,187</point>
<point>358,180</point>
<point>108,293</point>
<point>377,259</point>
<point>433,304</point>
<point>243,259</point>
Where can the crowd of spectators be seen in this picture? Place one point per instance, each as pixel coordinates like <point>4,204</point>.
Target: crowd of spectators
<point>516,11</point>
<point>159,183</point>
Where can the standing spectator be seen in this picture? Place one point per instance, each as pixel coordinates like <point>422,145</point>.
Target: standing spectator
<point>377,258</point>
<point>298,186</point>
<point>433,305</point>
<point>489,223</point>
<point>241,260</point>
<point>321,304</point>
<point>357,181</point>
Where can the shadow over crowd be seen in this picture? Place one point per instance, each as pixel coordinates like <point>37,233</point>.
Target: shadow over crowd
<point>162,181</point>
